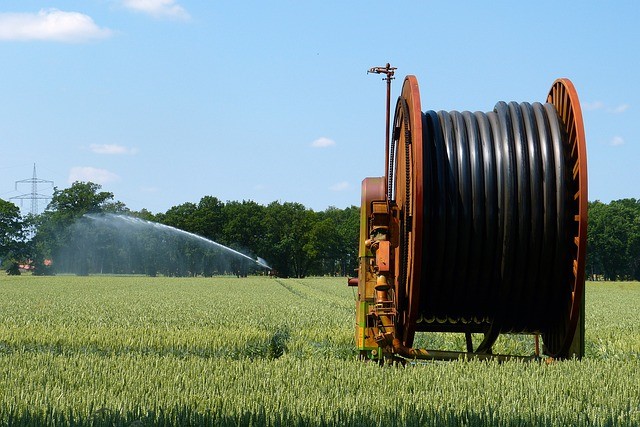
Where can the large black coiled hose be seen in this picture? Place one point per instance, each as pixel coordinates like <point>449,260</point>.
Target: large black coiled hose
<point>497,218</point>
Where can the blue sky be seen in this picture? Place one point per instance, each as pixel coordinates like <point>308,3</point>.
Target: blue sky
<point>165,101</point>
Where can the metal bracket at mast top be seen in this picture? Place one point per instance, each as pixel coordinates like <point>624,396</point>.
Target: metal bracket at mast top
<point>387,69</point>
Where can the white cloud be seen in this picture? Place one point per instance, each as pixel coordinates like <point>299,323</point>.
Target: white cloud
<point>50,25</point>
<point>323,142</point>
<point>592,106</point>
<point>95,175</point>
<point>112,149</point>
<point>620,108</point>
<point>599,105</point>
<point>340,186</point>
<point>616,141</point>
<point>158,8</point>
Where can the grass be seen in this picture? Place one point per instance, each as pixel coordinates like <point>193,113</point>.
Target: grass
<point>258,351</point>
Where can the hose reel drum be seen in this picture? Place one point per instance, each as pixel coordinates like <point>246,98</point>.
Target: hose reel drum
<point>478,227</point>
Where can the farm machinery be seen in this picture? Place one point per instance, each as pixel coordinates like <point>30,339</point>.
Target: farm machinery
<point>478,227</point>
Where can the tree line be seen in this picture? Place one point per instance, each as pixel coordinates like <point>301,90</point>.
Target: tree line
<point>73,236</point>
<point>294,240</point>
<point>613,240</point>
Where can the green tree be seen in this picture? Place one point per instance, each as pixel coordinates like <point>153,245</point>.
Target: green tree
<point>243,231</point>
<point>144,214</point>
<point>210,218</point>
<point>67,206</point>
<point>82,198</point>
<point>334,241</point>
<point>628,210</point>
<point>180,216</point>
<point>288,229</point>
<point>13,245</point>
<point>242,228</point>
<point>613,239</point>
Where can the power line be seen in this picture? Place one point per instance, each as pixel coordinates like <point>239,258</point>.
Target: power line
<point>34,196</point>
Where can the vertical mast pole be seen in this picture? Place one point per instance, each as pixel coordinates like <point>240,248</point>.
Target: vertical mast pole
<point>388,71</point>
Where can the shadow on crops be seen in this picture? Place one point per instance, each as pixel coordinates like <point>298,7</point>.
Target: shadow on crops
<point>187,416</point>
<point>291,289</point>
<point>272,346</point>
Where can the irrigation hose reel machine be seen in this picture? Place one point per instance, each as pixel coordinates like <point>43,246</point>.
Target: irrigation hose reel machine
<point>479,226</point>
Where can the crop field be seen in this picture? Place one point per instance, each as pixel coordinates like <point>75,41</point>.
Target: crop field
<point>135,351</point>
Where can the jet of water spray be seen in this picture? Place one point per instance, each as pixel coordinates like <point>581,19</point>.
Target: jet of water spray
<point>110,218</point>
<point>262,262</point>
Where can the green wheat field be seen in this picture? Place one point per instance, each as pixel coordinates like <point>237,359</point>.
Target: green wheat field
<point>134,351</point>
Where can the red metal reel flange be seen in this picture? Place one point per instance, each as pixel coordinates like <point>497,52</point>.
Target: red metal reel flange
<point>570,341</point>
<point>409,182</point>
